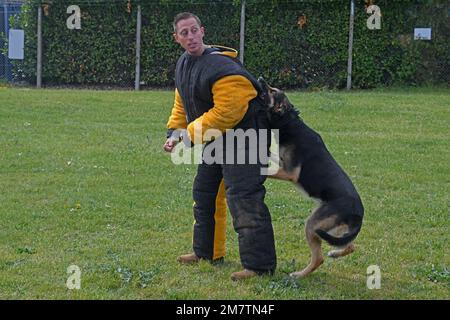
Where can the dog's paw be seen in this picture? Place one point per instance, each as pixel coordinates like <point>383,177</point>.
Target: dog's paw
<point>334,254</point>
<point>297,275</point>
<point>342,252</point>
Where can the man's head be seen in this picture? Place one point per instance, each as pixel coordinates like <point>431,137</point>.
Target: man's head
<point>188,32</point>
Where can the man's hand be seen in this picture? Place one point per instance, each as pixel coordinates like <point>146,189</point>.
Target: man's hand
<point>170,144</point>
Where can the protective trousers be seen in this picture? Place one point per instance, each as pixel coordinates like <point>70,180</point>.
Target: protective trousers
<point>245,192</point>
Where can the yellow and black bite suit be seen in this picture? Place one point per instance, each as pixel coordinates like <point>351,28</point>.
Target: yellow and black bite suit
<point>214,91</point>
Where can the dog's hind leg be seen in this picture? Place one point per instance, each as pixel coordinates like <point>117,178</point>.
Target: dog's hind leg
<point>314,243</point>
<point>349,248</point>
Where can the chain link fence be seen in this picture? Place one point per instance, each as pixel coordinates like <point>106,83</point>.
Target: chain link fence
<point>118,43</point>
<point>8,10</point>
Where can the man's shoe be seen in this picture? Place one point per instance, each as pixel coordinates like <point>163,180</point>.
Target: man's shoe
<point>242,275</point>
<point>188,258</point>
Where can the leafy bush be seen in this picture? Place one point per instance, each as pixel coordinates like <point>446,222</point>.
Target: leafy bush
<point>294,44</point>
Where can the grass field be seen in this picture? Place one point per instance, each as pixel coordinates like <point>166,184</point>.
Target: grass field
<point>84,181</point>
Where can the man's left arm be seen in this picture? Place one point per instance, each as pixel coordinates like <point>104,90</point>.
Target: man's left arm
<point>231,95</point>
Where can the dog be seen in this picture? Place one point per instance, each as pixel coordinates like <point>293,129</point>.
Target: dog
<point>305,160</point>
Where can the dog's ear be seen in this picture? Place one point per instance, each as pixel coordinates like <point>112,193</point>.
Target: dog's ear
<point>264,86</point>
<point>264,91</point>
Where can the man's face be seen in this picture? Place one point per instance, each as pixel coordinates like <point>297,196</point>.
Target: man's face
<point>190,36</point>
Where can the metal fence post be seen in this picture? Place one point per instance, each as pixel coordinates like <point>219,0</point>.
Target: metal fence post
<point>39,49</point>
<point>5,17</point>
<point>137,81</point>
<point>350,45</point>
<point>242,33</point>
<point>6,65</point>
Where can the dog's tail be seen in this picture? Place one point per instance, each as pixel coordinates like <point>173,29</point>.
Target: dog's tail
<point>355,226</point>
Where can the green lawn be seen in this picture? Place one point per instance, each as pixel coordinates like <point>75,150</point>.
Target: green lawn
<point>84,181</point>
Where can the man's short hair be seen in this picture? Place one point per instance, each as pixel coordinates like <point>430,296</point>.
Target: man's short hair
<point>184,16</point>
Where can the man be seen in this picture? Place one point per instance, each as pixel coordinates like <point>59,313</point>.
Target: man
<point>214,91</point>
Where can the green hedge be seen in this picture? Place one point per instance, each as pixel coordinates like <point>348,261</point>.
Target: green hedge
<point>290,56</point>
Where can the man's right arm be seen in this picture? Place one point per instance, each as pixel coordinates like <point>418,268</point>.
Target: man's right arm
<point>177,120</point>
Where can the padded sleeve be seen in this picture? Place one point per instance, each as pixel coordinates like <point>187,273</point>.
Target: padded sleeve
<point>231,96</point>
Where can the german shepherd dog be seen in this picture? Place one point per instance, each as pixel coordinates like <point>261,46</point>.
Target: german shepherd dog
<point>305,160</point>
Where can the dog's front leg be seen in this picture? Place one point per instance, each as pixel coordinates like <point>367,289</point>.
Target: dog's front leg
<point>281,174</point>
